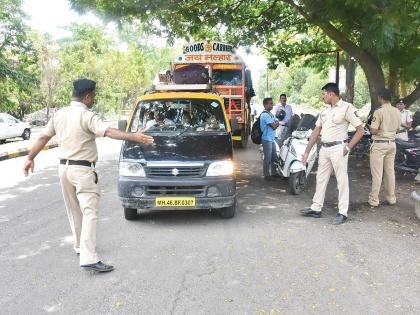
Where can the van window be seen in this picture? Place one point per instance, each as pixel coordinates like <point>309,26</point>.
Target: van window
<point>186,115</point>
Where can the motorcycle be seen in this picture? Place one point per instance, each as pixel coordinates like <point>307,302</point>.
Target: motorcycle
<point>362,148</point>
<point>407,157</point>
<point>290,152</point>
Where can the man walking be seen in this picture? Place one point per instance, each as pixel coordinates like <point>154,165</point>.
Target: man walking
<point>268,125</point>
<point>385,124</point>
<point>284,123</point>
<point>332,124</point>
<point>75,128</point>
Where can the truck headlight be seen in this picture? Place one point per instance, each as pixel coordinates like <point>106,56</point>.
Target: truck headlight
<point>131,169</point>
<point>221,168</point>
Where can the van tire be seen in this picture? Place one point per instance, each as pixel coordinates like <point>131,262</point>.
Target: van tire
<point>228,212</point>
<point>130,213</point>
<point>26,135</point>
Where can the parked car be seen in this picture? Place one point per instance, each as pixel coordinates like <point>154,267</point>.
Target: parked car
<point>10,127</point>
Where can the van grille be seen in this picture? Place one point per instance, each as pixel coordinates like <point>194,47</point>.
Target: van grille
<point>176,190</point>
<point>176,171</point>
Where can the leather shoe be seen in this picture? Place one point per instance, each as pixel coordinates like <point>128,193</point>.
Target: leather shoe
<point>308,212</point>
<point>99,266</point>
<point>339,219</point>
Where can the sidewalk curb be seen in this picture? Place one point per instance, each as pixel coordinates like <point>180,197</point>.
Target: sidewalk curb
<point>24,151</point>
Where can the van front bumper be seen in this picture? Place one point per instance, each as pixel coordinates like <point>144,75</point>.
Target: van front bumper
<point>209,192</point>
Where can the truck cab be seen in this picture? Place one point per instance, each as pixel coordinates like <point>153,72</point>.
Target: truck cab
<point>189,165</point>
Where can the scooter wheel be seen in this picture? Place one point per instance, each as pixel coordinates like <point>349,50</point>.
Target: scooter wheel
<point>297,182</point>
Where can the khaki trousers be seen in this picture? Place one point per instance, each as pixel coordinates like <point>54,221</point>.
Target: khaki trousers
<point>81,197</point>
<point>382,156</point>
<point>332,159</point>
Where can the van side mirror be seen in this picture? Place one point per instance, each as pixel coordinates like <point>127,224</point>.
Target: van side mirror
<point>234,125</point>
<point>122,125</point>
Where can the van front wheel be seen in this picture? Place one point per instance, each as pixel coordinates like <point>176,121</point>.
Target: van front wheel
<point>130,213</point>
<point>228,212</point>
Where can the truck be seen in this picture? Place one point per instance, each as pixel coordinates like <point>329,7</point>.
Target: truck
<point>229,77</point>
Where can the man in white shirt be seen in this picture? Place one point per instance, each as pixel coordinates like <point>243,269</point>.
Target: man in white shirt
<point>284,123</point>
<point>406,120</point>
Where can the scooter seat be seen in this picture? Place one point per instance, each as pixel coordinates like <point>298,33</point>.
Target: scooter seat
<point>407,144</point>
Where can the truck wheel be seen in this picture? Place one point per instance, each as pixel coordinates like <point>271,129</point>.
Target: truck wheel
<point>297,182</point>
<point>2,141</point>
<point>26,135</point>
<point>228,212</point>
<point>130,213</point>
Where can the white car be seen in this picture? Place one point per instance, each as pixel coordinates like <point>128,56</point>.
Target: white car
<point>10,127</point>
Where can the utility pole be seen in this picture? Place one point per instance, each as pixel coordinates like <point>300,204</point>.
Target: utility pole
<point>337,66</point>
<point>266,86</point>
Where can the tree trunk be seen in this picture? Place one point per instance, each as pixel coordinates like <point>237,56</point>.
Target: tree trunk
<point>393,81</point>
<point>403,88</point>
<point>374,76</point>
<point>350,66</point>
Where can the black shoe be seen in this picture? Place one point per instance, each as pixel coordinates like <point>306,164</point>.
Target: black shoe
<point>99,266</point>
<point>308,212</point>
<point>339,219</point>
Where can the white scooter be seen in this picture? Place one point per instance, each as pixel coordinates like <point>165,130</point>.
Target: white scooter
<point>290,154</point>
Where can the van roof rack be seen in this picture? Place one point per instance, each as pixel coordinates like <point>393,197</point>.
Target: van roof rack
<point>181,87</point>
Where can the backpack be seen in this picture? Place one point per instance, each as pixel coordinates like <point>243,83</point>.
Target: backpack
<point>256,132</point>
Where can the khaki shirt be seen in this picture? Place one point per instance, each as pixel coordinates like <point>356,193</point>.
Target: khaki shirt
<point>75,128</point>
<point>387,119</point>
<point>335,121</point>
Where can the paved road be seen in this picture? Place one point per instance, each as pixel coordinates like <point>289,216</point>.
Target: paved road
<point>266,260</point>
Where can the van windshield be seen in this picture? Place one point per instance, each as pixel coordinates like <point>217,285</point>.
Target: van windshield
<point>179,115</point>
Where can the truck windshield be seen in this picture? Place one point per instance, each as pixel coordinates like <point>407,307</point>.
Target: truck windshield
<point>227,77</point>
<point>179,115</point>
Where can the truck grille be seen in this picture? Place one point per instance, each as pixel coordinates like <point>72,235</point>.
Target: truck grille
<point>175,171</point>
<point>176,190</point>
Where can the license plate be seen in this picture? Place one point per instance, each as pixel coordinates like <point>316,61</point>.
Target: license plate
<point>175,202</point>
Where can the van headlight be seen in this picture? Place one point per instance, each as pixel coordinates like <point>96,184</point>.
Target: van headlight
<point>221,168</point>
<point>132,169</point>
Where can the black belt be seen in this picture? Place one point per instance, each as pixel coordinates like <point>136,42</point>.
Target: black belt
<point>383,141</point>
<point>77,162</point>
<point>332,143</point>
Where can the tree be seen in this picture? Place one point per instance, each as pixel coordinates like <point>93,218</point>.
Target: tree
<point>18,72</point>
<point>374,32</point>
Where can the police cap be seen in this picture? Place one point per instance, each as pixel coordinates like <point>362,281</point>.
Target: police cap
<point>400,101</point>
<point>83,86</point>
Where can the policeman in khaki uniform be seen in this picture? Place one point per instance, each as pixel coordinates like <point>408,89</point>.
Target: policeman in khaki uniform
<point>332,124</point>
<point>75,128</point>
<point>385,124</point>
<point>406,121</point>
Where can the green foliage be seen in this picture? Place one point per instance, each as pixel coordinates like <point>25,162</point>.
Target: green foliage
<point>302,85</point>
<point>18,71</point>
<point>375,32</point>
